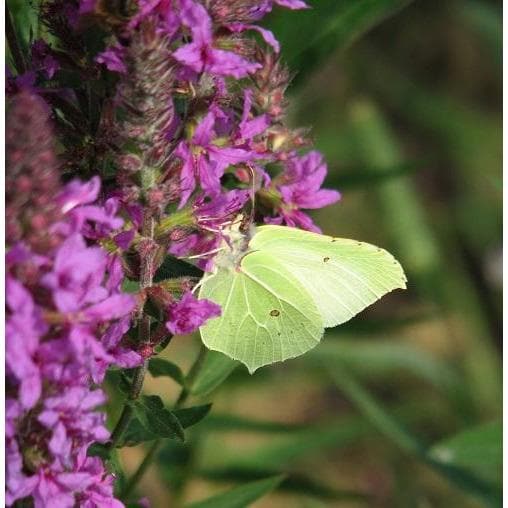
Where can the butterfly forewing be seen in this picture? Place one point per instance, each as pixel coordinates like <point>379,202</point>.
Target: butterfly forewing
<point>342,276</point>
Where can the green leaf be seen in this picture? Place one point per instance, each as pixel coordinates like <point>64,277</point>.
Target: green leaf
<point>242,496</point>
<point>294,482</point>
<point>98,450</point>
<point>214,370</point>
<point>374,357</point>
<point>25,21</point>
<point>130,286</point>
<point>478,450</point>
<point>160,367</point>
<point>157,419</point>
<point>487,21</point>
<point>287,450</point>
<point>173,267</point>
<point>391,428</point>
<point>225,423</point>
<point>368,177</point>
<point>191,415</point>
<point>374,413</point>
<point>137,432</point>
<point>446,282</point>
<point>335,25</point>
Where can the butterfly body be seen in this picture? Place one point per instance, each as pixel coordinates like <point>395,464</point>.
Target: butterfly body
<point>280,288</point>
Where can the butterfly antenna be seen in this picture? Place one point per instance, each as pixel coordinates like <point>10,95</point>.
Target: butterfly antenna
<point>248,220</point>
<point>204,254</point>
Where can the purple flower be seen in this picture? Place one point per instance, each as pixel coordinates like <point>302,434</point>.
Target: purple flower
<point>292,4</point>
<point>70,417</point>
<point>204,245</point>
<point>94,221</point>
<point>300,187</point>
<point>189,313</point>
<point>122,357</point>
<point>86,6</point>
<point>78,193</point>
<point>43,60</point>
<point>265,6</point>
<point>52,367</point>
<point>19,485</point>
<point>24,327</point>
<point>205,161</point>
<point>55,487</point>
<point>100,490</point>
<point>25,81</point>
<point>215,213</point>
<point>112,58</point>
<point>266,34</point>
<point>251,127</point>
<point>200,55</point>
<point>124,239</point>
<point>77,275</point>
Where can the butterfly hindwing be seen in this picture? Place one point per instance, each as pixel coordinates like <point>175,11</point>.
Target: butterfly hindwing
<point>267,314</point>
<point>342,276</point>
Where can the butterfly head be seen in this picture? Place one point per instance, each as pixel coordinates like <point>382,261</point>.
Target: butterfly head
<point>235,244</point>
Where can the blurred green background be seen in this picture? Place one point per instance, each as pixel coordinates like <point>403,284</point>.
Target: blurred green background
<point>400,407</point>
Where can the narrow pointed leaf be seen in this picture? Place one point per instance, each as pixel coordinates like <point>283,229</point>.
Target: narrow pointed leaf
<point>160,367</point>
<point>478,449</point>
<point>242,496</point>
<point>191,415</point>
<point>215,369</point>
<point>157,419</point>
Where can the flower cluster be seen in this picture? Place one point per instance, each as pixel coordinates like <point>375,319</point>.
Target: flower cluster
<point>200,124</point>
<point>181,117</point>
<point>66,316</point>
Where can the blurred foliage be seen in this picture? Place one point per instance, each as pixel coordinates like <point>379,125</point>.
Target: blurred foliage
<point>401,406</point>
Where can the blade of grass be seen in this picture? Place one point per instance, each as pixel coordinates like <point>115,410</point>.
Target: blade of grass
<point>417,247</point>
<point>335,25</point>
<point>387,425</point>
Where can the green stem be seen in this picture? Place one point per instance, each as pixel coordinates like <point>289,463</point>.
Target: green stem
<point>140,471</point>
<point>182,398</point>
<point>191,376</point>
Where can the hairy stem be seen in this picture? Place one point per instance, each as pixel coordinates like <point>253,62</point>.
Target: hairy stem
<point>145,280</point>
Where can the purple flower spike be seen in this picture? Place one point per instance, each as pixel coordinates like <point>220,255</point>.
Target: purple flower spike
<point>189,313</point>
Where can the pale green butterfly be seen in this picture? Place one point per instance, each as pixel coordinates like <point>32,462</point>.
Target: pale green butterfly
<point>281,287</point>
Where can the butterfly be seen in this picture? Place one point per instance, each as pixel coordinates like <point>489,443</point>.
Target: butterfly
<point>280,287</point>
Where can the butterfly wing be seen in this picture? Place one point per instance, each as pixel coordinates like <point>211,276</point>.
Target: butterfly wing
<point>342,276</point>
<point>267,315</point>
